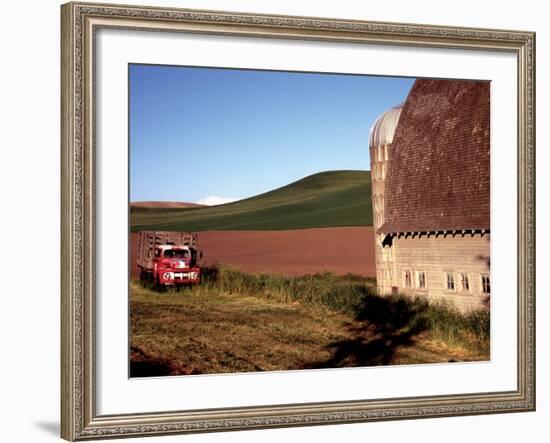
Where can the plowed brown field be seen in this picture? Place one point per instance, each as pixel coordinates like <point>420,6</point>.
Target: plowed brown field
<point>292,252</point>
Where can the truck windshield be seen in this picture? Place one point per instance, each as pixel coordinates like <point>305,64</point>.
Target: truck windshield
<point>176,253</point>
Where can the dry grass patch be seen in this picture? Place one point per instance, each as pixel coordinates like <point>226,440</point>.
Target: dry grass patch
<point>219,332</point>
<point>208,329</point>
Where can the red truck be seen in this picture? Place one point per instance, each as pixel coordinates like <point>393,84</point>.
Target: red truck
<point>168,258</point>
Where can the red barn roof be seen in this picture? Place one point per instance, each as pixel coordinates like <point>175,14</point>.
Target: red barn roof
<point>438,175</point>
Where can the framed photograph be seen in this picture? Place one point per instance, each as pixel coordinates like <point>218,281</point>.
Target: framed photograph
<point>275,221</point>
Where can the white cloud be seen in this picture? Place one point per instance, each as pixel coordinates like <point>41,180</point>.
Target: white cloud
<point>214,200</point>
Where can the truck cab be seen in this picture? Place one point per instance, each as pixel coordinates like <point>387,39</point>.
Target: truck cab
<point>175,265</point>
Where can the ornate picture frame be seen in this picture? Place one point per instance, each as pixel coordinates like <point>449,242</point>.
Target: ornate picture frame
<point>80,23</point>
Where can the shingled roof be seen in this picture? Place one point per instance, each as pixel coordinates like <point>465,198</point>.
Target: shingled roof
<point>438,175</point>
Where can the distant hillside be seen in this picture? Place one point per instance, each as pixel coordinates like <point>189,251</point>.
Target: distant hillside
<point>332,198</point>
<point>161,204</point>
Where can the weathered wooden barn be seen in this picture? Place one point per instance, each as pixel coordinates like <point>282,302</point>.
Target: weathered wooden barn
<point>430,167</point>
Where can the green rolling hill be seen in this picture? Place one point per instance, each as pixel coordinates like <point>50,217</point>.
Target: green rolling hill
<point>332,198</point>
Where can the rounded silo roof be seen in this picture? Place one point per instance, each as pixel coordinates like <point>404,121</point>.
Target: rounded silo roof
<point>383,129</point>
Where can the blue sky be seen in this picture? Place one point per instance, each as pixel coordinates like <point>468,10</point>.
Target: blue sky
<point>199,133</point>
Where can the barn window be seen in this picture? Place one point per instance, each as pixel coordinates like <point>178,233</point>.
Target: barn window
<point>421,279</point>
<point>450,281</point>
<point>408,279</point>
<point>465,282</point>
<point>485,284</point>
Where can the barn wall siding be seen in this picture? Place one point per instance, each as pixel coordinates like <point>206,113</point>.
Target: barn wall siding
<point>436,256</point>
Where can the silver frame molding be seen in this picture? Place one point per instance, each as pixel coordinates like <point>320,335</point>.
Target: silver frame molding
<point>79,22</point>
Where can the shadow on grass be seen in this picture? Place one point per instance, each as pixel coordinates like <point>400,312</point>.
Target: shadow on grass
<point>143,365</point>
<point>385,324</point>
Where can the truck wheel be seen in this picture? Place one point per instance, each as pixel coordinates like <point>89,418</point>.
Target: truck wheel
<point>144,277</point>
<point>157,285</point>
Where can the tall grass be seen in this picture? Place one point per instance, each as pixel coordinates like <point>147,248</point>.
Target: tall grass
<point>356,296</point>
<point>341,293</point>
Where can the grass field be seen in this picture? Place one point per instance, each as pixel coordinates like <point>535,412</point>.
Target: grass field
<point>239,322</point>
<point>333,198</point>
